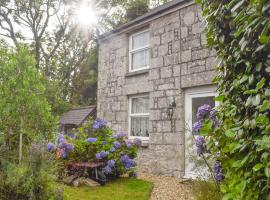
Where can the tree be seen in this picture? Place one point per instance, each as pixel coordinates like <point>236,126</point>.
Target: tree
<point>24,110</point>
<point>239,32</point>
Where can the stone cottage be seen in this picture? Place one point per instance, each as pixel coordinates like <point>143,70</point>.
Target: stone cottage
<point>154,72</point>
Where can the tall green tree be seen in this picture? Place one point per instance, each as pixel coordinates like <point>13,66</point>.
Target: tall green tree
<point>239,31</point>
<point>24,109</point>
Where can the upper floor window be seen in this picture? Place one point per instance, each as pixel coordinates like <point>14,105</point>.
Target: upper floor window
<point>139,53</point>
<point>139,116</point>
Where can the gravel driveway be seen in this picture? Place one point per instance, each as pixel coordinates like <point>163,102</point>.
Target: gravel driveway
<point>168,188</point>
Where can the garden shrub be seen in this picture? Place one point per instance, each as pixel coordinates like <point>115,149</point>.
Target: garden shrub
<point>239,32</point>
<point>96,142</point>
<point>33,179</point>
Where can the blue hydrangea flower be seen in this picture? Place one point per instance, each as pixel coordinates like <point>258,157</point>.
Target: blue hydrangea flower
<point>99,123</point>
<point>116,136</point>
<point>63,154</point>
<point>98,156</point>
<point>203,111</point>
<point>124,158</point>
<point>112,149</point>
<point>60,138</point>
<point>111,163</point>
<point>197,126</point>
<point>91,139</point>
<point>129,144</point>
<point>218,171</point>
<point>138,142</point>
<point>50,147</point>
<point>117,144</point>
<point>104,154</point>
<point>107,169</point>
<point>69,147</point>
<point>200,144</point>
<point>123,134</point>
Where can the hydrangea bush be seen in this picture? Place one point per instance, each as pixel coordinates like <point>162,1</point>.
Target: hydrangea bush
<point>96,142</point>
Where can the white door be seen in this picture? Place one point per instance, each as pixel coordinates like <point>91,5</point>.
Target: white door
<point>194,98</point>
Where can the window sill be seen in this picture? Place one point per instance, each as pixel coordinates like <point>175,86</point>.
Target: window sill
<point>145,142</point>
<point>139,72</point>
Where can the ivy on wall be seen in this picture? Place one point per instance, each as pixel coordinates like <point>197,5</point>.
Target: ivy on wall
<point>239,31</point>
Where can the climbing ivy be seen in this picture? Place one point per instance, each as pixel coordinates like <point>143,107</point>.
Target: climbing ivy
<point>239,32</point>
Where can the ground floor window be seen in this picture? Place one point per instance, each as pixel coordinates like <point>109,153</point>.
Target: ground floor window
<point>139,116</point>
<point>194,98</point>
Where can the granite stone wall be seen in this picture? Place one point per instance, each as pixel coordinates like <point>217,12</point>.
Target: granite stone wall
<point>179,60</point>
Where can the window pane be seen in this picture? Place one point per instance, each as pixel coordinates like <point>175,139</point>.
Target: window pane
<point>139,126</point>
<point>199,101</point>
<point>140,105</point>
<point>140,59</point>
<point>140,40</point>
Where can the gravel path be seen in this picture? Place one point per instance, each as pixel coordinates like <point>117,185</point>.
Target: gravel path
<point>168,188</point>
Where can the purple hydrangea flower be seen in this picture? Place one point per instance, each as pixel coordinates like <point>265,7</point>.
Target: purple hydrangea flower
<point>112,149</point>
<point>99,123</point>
<point>107,169</point>
<point>50,147</point>
<point>91,139</point>
<point>127,162</point>
<point>218,171</point>
<point>60,138</point>
<point>116,136</point>
<point>117,144</point>
<point>123,134</point>
<point>69,147</point>
<point>104,142</point>
<point>104,154</point>
<point>200,145</point>
<point>197,126</point>
<point>203,111</point>
<point>111,163</point>
<point>124,158</point>
<point>138,142</point>
<point>98,156</point>
<point>63,154</point>
<point>128,144</point>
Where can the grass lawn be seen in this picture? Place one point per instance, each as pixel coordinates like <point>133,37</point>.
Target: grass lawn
<point>121,189</point>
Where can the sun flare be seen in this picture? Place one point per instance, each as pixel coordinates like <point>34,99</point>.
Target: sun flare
<point>86,15</point>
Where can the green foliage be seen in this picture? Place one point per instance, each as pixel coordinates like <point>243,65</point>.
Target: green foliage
<point>206,190</point>
<point>23,106</point>
<point>33,179</point>
<point>239,32</point>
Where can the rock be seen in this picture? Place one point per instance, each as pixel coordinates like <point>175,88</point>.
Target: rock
<point>85,182</point>
<point>89,182</point>
<point>68,180</point>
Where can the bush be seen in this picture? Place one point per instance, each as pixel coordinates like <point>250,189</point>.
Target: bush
<point>206,190</point>
<point>33,179</point>
<point>95,142</point>
<point>239,32</point>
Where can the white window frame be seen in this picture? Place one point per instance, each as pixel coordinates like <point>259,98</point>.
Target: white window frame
<point>130,115</point>
<point>203,91</point>
<point>131,51</point>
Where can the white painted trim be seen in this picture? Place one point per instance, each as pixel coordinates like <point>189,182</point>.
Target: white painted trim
<point>131,51</point>
<point>135,115</point>
<point>204,91</point>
